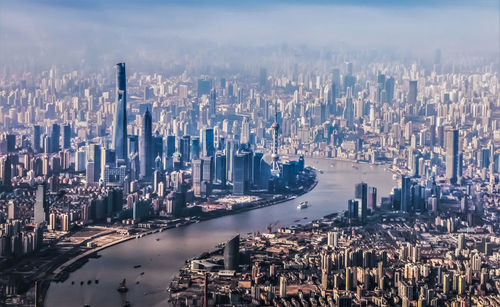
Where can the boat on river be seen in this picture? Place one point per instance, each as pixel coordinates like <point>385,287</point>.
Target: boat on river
<point>303,205</point>
<point>123,287</point>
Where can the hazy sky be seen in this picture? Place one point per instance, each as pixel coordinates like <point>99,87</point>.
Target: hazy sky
<point>46,31</point>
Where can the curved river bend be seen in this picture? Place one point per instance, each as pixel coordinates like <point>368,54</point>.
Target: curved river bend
<point>162,259</point>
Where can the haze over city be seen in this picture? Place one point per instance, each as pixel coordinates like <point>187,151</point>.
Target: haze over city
<point>250,153</point>
<point>154,32</point>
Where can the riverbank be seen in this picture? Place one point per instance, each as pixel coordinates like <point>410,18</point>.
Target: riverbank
<point>61,273</point>
<point>161,255</point>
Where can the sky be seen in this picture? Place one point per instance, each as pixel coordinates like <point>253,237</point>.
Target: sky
<point>48,31</point>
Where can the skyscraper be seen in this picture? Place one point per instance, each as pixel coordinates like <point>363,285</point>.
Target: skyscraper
<point>195,148</point>
<point>37,132</point>
<point>372,198</point>
<point>231,147</point>
<point>232,253</point>
<point>349,108</point>
<point>208,142</point>
<point>66,136</point>
<point>170,146</point>
<point>452,156</point>
<point>146,146</point>
<point>241,173</point>
<point>361,192</point>
<point>207,177</point>
<point>405,194</point>
<point>197,175</point>
<point>204,87</point>
<point>220,168</point>
<point>213,103</point>
<point>54,137</point>
<point>6,165</point>
<point>41,210</point>
<point>245,131</point>
<point>120,123</point>
<point>94,161</point>
<point>412,92</point>
<point>185,148</point>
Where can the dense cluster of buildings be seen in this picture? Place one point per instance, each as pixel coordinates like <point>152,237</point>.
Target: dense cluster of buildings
<point>104,147</point>
<point>391,260</point>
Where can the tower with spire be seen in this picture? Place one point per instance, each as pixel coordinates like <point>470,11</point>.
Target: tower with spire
<point>276,127</point>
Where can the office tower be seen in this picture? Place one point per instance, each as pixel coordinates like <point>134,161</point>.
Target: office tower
<point>41,208</point>
<point>208,142</point>
<point>120,121</point>
<point>108,158</point>
<point>336,83</point>
<point>94,161</point>
<point>195,148</point>
<point>353,206</point>
<point>146,146</point>
<point>207,177</point>
<point>412,92</point>
<point>349,108</point>
<point>372,198</point>
<point>405,193</point>
<point>10,140</point>
<point>197,176</point>
<point>66,136</point>
<point>204,87</point>
<point>212,103</point>
<point>245,131</point>
<point>185,148</point>
<point>6,165</point>
<point>157,146</point>
<point>46,144</point>
<point>452,156</point>
<point>170,146</point>
<point>263,79</point>
<point>232,253</point>
<point>258,178</point>
<point>157,179</point>
<point>389,90</point>
<point>133,144</point>
<point>241,172</point>
<point>54,137</point>
<point>37,132</point>
<point>433,136</point>
<point>220,168</point>
<point>231,148</point>
<point>361,192</point>
<point>349,82</point>
<point>348,68</point>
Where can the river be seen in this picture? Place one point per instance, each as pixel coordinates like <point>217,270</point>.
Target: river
<point>162,259</point>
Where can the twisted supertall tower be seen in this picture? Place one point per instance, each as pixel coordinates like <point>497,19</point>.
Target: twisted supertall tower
<point>120,122</point>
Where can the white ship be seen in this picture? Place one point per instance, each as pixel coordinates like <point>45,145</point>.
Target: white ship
<point>303,205</point>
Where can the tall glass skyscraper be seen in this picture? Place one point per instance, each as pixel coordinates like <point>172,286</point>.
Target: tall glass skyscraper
<point>452,156</point>
<point>208,142</point>
<point>146,146</point>
<point>54,138</point>
<point>120,123</point>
